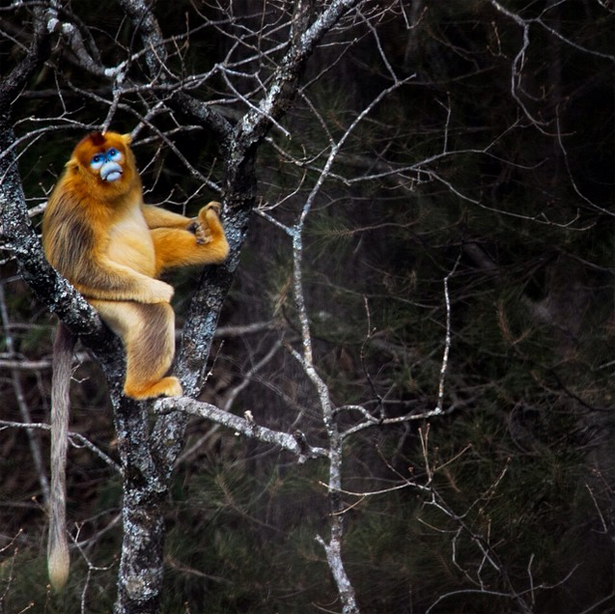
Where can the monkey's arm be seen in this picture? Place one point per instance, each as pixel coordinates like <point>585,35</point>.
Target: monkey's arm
<point>105,279</point>
<point>206,245</point>
<point>77,248</point>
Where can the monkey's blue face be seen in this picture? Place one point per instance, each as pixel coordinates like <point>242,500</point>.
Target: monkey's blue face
<point>108,164</point>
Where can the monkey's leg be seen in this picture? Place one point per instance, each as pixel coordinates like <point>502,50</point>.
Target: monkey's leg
<point>148,333</point>
<point>177,247</point>
<point>157,217</point>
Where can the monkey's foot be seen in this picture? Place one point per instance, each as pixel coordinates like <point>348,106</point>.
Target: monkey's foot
<point>213,205</point>
<point>203,235</point>
<point>166,387</point>
<point>200,226</point>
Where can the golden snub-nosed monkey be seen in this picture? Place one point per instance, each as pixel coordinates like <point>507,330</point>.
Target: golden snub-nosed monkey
<point>98,234</point>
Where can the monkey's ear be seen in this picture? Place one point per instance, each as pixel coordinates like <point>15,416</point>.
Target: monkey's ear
<point>127,138</point>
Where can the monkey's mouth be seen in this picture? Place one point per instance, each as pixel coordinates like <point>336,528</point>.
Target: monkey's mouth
<point>111,171</point>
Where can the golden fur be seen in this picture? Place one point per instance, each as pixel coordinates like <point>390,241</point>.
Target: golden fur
<point>112,247</point>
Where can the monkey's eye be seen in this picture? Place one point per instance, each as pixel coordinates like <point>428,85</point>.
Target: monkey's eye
<point>114,155</point>
<point>97,161</point>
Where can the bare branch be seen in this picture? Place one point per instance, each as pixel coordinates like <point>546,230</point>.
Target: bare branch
<point>245,426</point>
<point>33,441</point>
<point>77,437</point>
<point>447,341</point>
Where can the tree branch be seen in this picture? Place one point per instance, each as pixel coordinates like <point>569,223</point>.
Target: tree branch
<point>245,426</point>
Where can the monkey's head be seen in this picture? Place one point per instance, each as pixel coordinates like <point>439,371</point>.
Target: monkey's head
<point>104,162</point>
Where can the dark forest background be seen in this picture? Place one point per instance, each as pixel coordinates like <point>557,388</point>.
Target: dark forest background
<point>489,168</point>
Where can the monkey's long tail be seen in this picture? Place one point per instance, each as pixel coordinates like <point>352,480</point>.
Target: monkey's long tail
<point>58,560</point>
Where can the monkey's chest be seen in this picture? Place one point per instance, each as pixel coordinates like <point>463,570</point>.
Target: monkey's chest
<point>131,244</point>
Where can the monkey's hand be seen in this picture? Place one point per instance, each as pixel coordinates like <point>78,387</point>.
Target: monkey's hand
<point>154,291</point>
<point>201,225</point>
